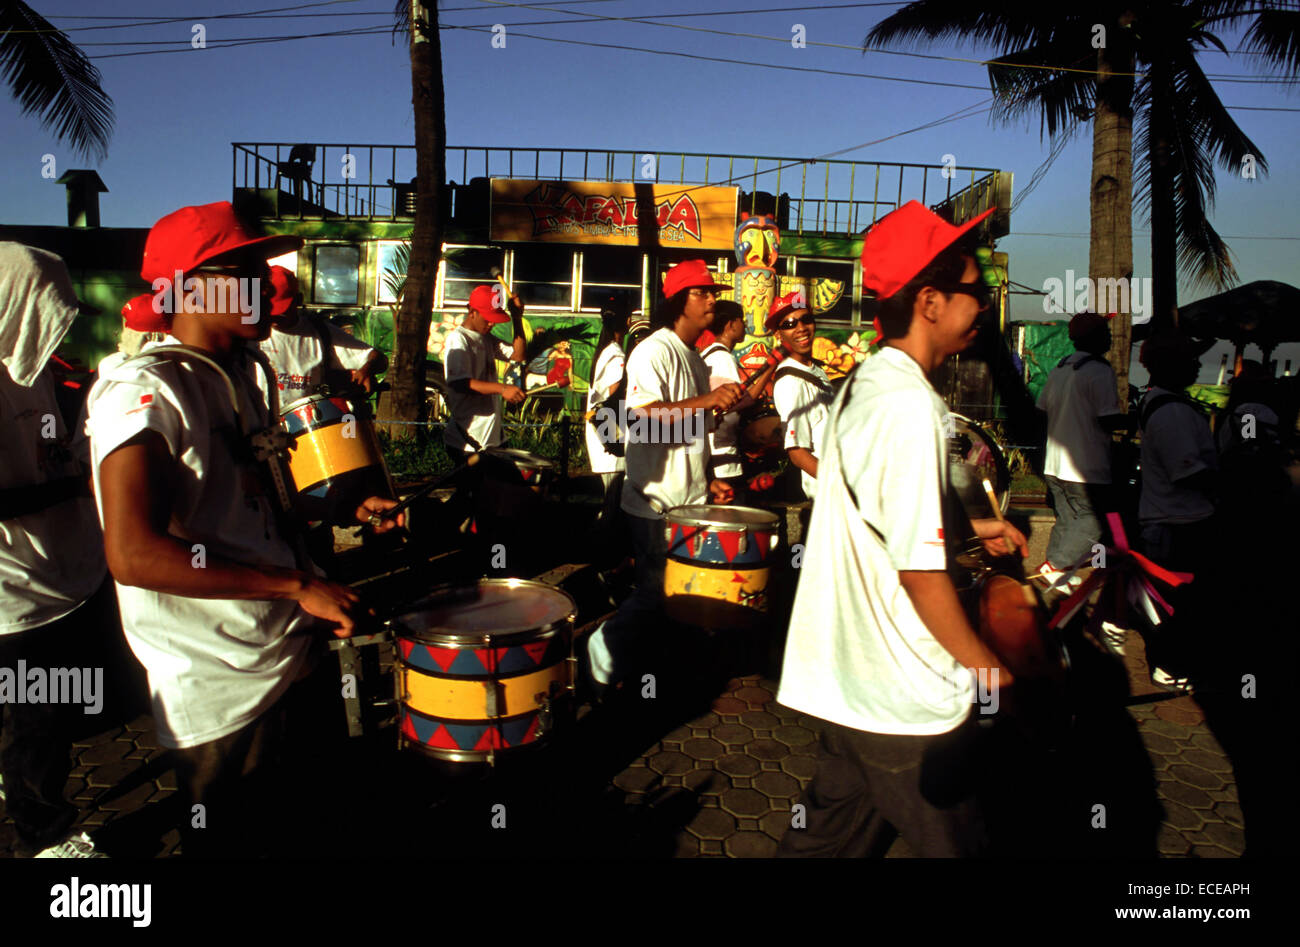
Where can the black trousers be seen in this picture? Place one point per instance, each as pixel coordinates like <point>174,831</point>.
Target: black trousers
<point>36,739</point>
<point>871,787</point>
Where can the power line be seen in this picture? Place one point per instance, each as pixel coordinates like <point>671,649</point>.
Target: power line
<point>1226,236</point>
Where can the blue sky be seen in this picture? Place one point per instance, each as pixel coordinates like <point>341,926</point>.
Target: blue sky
<point>178,112</point>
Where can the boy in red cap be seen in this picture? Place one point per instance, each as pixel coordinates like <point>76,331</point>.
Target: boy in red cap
<point>667,392</point>
<point>469,359</point>
<point>879,647</point>
<point>1082,407</point>
<point>802,392</point>
<point>303,347</point>
<point>728,331</point>
<point>214,602</point>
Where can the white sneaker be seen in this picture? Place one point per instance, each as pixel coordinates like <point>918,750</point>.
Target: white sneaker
<point>74,846</point>
<point>1112,637</point>
<point>1162,678</point>
<point>1051,579</point>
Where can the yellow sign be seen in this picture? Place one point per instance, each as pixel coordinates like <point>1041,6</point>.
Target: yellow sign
<point>607,212</point>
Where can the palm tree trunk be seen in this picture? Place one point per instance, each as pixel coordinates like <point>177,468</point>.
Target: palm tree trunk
<point>1164,221</point>
<point>411,333</point>
<point>1110,250</point>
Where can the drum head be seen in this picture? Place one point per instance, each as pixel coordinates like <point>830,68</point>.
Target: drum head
<point>520,458</point>
<point>723,517</point>
<point>496,608</point>
<point>973,456</point>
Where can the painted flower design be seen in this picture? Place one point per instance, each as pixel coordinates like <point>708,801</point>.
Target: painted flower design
<point>439,331</point>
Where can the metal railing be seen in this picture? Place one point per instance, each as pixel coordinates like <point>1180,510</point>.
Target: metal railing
<point>822,197</point>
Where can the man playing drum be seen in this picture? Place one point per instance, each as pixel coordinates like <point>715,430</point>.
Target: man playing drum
<point>470,358</point>
<point>213,602</point>
<point>728,330</point>
<point>667,457</point>
<point>879,646</point>
<point>802,391</point>
<point>304,349</point>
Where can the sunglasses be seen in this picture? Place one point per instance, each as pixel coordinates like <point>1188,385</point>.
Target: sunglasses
<point>978,291</point>
<point>804,320</point>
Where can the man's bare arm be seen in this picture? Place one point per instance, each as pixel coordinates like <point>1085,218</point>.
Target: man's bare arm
<point>804,459</point>
<point>935,600</point>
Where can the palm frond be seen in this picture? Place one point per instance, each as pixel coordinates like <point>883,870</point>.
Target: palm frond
<point>1015,24</point>
<point>395,276</point>
<point>51,78</point>
<point>402,19</point>
<point>1063,99</point>
<point>1276,34</point>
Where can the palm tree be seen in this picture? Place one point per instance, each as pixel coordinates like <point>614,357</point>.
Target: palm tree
<point>52,78</point>
<point>411,332</point>
<point>1077,62</point>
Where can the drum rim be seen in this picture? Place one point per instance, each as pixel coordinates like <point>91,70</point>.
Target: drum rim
<point>675,517</point>
<point>476,639</point>
<point>319,396</point>
<point>514,454</point>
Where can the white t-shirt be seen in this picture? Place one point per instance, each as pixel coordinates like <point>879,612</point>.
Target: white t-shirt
<point>473,355</point>
<point>857,653</point>
<point>214,665</point>
<point>300,361</point>
<point>606,374</point>
<point>674,469</point>
<point>803,407</point>
<point>1078,448</point>
<point>1230,426</point>
<point>1176,443</point>
<point>724,368</point>
<point>52,560</point>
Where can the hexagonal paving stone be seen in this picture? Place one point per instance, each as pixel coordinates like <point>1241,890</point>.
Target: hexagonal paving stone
<point>703,749</point>
<point>1205,740</point>
<point>1230,812</point>
<point>1181,711</point>
<point>760,720</point>
<point>635,779</point>
<point>794,735</point>
<point>787,714</point>
<point>729,705</point>
<point>141,724</point>
<point>167,780</point>
<point>108,752</point>
<point>711,824</point>
<point>1210,851</point>
<point>778,785</point>
<point>686,846</point>
<point>1214,762</point>
<point>1158,743</point>
<point>712,849</point>
<point>738,764</point>
<point>1171,730</point>
<point>704,782</point>
<point>745,802</point>
<point>1181,817</point>
<point>110,774</point>
<point>1169,841</point>
<point>680,735</point>
<point>750,845</point>
<point>137,798</point>
<point>732,733</point>
<point>754,695</point>
<point>776,824</point>
<point>670,761</point>
<point>1186,795</point>
<point>1195,776</point>
<point>801,768</point>
<point>1226,836</point>
<point>707,721</point>
<point>767,750</point>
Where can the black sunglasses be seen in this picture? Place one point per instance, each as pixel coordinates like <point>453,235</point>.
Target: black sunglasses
<point>978,291</point>
<point>804,320</point>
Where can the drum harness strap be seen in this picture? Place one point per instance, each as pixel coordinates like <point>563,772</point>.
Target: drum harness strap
<point>789,367</point>
<point>1083,361</point>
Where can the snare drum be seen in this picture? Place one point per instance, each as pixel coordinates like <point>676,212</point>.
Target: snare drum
<point>477,675</point>
<point>538,473</point>
<point>334,459</point>
<point>512,484</point>
<point>718,564</point>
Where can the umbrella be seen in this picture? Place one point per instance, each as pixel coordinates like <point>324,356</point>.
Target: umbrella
<point>1265,312</point>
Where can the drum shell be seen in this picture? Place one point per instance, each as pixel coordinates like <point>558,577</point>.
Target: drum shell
<point>334,461</point>
<point>513,483</point>
<point>716,573</point>
<point>466,697</point>
<point>760,428</point>
<point>1014,626</point>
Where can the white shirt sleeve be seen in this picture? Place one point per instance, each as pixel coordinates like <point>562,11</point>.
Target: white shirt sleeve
<point>608,375</point>
<point>795,401</point>
<point>124,409</point>
<point>723,365</point>
<point>902,484</point>
<point>349,351</point>
<point>647,376</point>
<point>457,358</point>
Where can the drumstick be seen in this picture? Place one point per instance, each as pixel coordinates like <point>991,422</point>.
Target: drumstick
<point>997,511</point>
<point>377,518</point>
<point>496,274</point>
<point>755,384</point>
<point>534,391</point>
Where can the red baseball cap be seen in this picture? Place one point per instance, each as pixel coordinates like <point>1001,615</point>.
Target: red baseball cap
<point>188,237</point>
<point>690,274</point>
<point>284,290</point>
<point>140,315</point>
<point>484,301</point>
<point>790,302</point>
<point>902,243</point>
